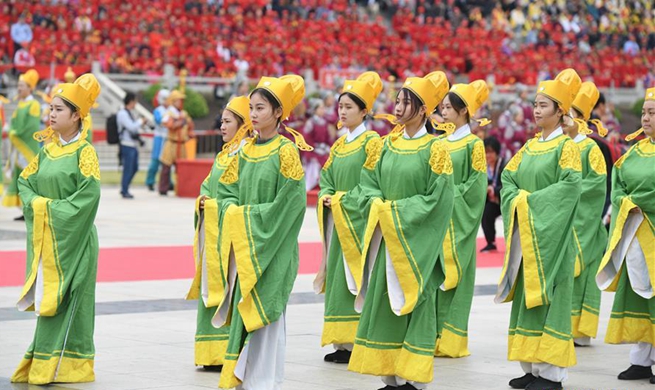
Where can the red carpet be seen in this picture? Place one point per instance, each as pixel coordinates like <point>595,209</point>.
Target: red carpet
<point>175,262</point>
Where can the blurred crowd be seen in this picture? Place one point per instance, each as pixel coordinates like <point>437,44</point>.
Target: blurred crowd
<point>503,42</point>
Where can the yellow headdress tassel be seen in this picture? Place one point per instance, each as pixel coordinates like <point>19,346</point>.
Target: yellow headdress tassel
<point>599,126</point>
<point>634,135</point>
<point>537,134</point>
<point>299,139</point>
<point>339,125</point>
<point>234,143</point>
<point>398,128</point>
<point>46,135</point>
<point>582,126</point>
<point>483,121</point>
<point>4,100</point>
<point>46,98</point>
<point>449,128</point>
<point>86,126</point>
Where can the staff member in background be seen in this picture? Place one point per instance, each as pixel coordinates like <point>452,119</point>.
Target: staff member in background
<point>180,129</point>
<point>495,166</point>
<point>128,130</point>
<point>160,136</point>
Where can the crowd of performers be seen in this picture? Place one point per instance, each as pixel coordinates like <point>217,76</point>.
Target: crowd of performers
<point>393,299</point>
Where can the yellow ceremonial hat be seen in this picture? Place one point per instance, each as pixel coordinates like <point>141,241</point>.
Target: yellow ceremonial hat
<point>366,87</point>
<point>31,78</point>
<point>473,95</point>
<point>69,76</point>
<point>240,106</point>
<point>82,93</point>
<point>563,89</point>
<point>289,90</point>
<point>650,94</point>
<point>175,95</point>
<point>586,99</point>
<point>431,89</point>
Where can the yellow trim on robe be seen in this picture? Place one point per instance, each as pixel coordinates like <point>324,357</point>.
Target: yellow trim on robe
<point>210,352</point>
<point>541,348</point>
<point>451,259</point>
<point>11,201</point>
<point>55,150</point>
<point>451,344</point>
<point>194,290</point>
<point>621,218</point>
<point>585,324</point>
<point>227,379</point>
<point>630,329</point>
<point>540,147</point>
<point>339,332</point>
<point>38,371</point>
<point>348,239</point>
<point>398,361</point>
<point>253,152</point>
<point>52,273</point>
<point>520,198</point>
<point>402,145</point>
<point>22,147</point>
<point>403,261</point>
<point>39,207</point>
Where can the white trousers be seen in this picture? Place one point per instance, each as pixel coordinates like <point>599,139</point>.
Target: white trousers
<point>546,371</point>
<point>261,363</point>
<point>583,341</point>
<point>398,381</point>
<point>343,347</point>
<point>642,354</point>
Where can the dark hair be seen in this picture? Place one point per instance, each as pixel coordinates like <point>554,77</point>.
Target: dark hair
<point>359,102</point>
<point>129,98</point>
<point>601,100</point>
<point>492,143</point>
<point>578,112</point>
<point>413,99</point>
<point>268,96</point>
<point>458,104</point>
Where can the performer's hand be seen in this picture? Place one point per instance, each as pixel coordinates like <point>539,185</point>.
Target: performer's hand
<point>327,202</point>
<point>201,204</point>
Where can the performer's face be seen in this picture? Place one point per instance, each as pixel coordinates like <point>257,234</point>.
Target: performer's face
<point>407,109</point>
<point>24,90</point>
<point>262,114</point>
<point>546,114</point>
<point>450,114</point>
<point>350,114</point>
<point>229,125</point>
<point>648,118</point>
<point>62,119</point>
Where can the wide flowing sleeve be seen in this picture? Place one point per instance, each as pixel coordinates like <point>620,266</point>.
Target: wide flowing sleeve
<point>264,238</point>
<point>538,228</point>
<point>404,225</point>
<point>59,235</point>
<point>460,243</point>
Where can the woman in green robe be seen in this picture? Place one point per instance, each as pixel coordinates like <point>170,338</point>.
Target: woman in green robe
<point>211,342</point>
<point>262,209</point>
<point>628,266</point>
<point>539,200</point>
<point>455,295</point>
<point>338,212</point>
<point>60,191</point>
<point>589,233</point>
<point>25,122</point>
<point>407,194</point>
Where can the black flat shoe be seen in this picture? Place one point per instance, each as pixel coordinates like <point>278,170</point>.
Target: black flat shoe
<point>652,380</point>
<point>522,382</point>
<point>21,218</point>
<point>151,187</point>
<point>407,386</point>
<point>388,387</point>
<point>127,196</point>
<point>213,368</point>
<point>636,372</point>
<point>339,357</point>
<point>544,384</point>
<point>488,248</point>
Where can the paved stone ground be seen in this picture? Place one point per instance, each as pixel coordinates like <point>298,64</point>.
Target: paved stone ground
<point>144,330</point>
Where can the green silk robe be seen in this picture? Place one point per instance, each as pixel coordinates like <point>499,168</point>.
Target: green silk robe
<point>590,237</point>
<point>25,121</point>
<point>339,271</point>
<point>539,199</point>
<point>263,207</point>
<point>408,197</point>
<point>455,296</point>
<point>210,342</point>
<point>631,249</point>
<point>60,191</point>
